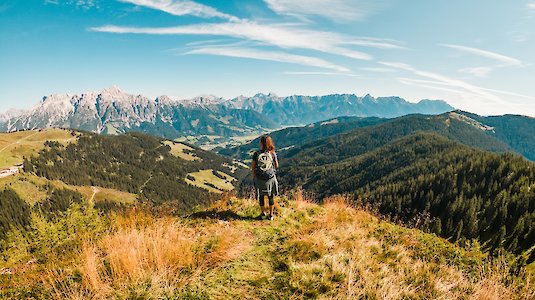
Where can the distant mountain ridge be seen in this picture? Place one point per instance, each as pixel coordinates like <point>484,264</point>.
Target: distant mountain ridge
<point>508,133</point>
<point>114,111</point>
<point>302,110</point>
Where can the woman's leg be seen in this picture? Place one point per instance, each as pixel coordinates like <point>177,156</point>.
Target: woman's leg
<point>262,202</point>
<point>271,204</point>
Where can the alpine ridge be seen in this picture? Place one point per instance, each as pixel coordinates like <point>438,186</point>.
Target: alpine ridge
<point>112,111</point>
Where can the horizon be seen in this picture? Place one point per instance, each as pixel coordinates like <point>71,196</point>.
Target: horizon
<point>152,97</point>
<point>479,63</point>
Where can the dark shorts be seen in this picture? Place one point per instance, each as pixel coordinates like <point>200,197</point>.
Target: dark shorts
<point>271,200</point>
<point>268,188</point>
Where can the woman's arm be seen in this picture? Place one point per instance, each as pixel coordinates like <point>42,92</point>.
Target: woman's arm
<point>276,161</point>
<point>253,166</point>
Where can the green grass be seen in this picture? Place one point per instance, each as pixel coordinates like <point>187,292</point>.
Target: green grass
<point>32,189</point>
<point>182,151</point>
<point>14,146</point>
<point>29,188</point>
<point>206,176</point>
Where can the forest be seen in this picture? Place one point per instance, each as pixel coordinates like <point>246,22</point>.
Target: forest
<point>461,193</point>
<point>135,163</point>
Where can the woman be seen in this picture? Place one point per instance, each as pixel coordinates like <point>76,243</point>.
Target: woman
<point>264,166</point>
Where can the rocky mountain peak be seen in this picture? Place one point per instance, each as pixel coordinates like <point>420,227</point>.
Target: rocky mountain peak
<point>113,90</point>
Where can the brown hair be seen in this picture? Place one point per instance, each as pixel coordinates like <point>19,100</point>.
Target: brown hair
<point>266,143</point>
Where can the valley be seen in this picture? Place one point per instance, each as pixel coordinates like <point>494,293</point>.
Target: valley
<point>463,188</point>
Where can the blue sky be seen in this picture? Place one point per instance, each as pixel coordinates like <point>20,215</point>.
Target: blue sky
<point>477,55</point>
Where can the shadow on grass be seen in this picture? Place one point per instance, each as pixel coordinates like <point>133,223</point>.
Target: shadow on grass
<point>226,215</point>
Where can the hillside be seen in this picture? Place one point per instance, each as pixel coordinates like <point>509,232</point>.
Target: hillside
<point>360,141</point>
<point>288,138</point>
<point>158,171</point>
<point>309,251</point>
<point>17,145</point>
<point>516,131</point>
<point>340,138</point>
<point>464,193</point>
<point>508,133</point>
<point>424,169</point>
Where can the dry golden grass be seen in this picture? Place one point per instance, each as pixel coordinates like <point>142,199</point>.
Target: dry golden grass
<point>163,254</point>
<point>333,251</point>
<point>339,257</point>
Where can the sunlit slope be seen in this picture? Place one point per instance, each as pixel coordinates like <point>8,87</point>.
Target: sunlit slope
<point>332,251</point>
<point>154,169</point>
<point>16,145</point>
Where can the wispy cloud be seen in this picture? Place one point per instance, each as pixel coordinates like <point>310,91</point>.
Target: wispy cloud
<point>435,85</point>
<point>484,53</point>
<point>484,71</point>
<point>376,43</point>
<point>477,71</point>
<point>432,83</point>
<point>285,36</point>
<point>182,8</point>
<point>444,80</point>
<point>269,55</point>
<point>531,5</point>
<point>336,10</point>
<point>84,4</point>
<point>321,73</point>
<point>379,70</point>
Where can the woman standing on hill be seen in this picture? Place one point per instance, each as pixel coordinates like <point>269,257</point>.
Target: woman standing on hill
<point>264,166</point>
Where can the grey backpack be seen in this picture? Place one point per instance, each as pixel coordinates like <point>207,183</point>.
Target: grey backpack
<point>265,165</point>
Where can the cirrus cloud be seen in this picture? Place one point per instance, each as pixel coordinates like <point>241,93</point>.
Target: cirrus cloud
<point>286,36</point>
<point>269,55</point>
<point>484,53</point>
<point>336,10</point>
<point>182,8</point>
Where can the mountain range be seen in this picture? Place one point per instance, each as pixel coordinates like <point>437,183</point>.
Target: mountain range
<point>112,111</point>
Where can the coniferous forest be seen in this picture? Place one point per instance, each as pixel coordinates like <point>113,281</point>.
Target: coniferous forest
<point>134,163</point>
<point>464,193</point>
<point>443,173</point>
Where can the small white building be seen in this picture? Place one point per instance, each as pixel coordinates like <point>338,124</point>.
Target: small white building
<point>9,171</point>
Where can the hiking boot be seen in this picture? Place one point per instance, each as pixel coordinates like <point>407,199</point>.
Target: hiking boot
<point>271,217</point>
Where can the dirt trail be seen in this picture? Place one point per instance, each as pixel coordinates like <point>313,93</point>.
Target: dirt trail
<point>95,191</point>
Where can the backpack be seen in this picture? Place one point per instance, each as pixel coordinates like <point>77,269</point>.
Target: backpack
<point>265,165</point>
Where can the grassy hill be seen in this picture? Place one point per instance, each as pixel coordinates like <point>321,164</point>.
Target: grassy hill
<point>62,168</point>
<point>429,170</point>
<point>508,133</point>
<point>360,141</point>
<point>16,145</point>
<point>332,251</point>
<point>154,169</point>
